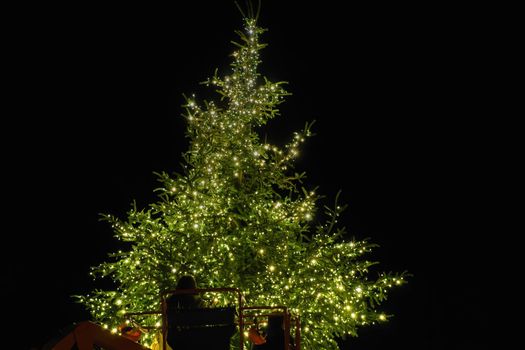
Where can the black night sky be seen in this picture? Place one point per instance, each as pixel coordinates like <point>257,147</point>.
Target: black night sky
<point>395,93</point>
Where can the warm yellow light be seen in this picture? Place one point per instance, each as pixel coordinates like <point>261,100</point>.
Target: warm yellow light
<point>228,201</point>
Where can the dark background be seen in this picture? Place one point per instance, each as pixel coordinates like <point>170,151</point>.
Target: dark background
<point>403,124</point>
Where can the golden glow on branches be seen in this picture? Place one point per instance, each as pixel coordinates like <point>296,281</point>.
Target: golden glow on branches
<point>238,216</point>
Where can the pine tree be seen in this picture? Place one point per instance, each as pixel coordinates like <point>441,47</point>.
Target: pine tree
<point>238,215</point>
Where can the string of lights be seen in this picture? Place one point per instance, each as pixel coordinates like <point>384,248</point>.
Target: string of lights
<point>240,216</point>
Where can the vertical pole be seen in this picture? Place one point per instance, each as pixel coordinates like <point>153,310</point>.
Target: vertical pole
<point>241,322</point>
<point>164,322</point>
<point>298,333</point>
<point>286,329</point>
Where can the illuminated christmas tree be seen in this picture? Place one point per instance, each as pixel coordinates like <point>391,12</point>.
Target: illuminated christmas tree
<point>240,216</point>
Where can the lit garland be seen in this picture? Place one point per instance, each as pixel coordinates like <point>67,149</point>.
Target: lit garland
<point>238,217</point>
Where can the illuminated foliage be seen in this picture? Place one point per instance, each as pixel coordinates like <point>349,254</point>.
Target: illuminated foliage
<point>238,216</point>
